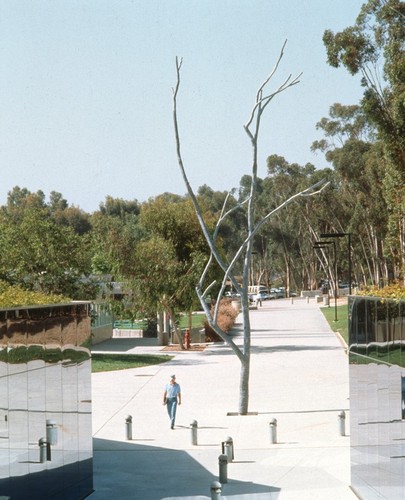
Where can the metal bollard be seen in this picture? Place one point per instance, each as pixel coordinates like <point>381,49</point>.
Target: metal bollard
<point>307,300</point>
<point>227,448</point>
<point>128,423</point>
<point>342,423</point>
<point>42,450</point>
<point>273,431</point>
<point>51,432</point>
<point>216,490</point>
<point>194,427</point>
<point>223,469</point>
<point>292,300</point>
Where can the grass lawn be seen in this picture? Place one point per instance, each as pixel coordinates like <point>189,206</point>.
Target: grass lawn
<point>341,325</point>
<point>110,362</point>
<point>197,321</point>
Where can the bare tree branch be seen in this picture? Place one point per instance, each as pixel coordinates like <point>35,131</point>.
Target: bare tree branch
<point>245,250</point>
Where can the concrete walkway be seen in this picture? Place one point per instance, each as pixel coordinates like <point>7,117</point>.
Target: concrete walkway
<point>299,375</point>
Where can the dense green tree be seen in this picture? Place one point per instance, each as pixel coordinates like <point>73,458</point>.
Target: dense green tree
<point>19,199</point>
<point>39,254</point>
<point>174,222</point>
<point>73,217</point>
<point>170,257</point>
<point>113,241</point>
<point>118,207</point>
<point>57,202</point>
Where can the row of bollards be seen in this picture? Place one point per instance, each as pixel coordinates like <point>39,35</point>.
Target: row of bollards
<point>227,455</point>
<point>325,299</point>
<point>227,445</point>
<point>341,427</point>
<point>193,427</point>
<point>227,448</point>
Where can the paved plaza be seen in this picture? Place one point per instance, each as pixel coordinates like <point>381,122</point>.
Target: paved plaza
<point>299,376</point>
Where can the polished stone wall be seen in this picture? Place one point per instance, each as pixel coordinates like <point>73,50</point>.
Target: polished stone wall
<point>45,402</point>
<point>377,391</point>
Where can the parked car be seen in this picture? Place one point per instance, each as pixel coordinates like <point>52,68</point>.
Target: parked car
<point>277,293</point>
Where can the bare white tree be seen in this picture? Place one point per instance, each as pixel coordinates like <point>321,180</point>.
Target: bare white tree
<point>244,253</point>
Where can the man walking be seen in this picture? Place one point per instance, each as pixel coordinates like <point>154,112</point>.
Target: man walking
<point>171,396</point>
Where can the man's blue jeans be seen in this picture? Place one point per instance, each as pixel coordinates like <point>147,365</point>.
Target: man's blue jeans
<point>171,409</point>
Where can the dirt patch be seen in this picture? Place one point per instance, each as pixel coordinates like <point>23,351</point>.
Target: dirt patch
<point>176,347</point>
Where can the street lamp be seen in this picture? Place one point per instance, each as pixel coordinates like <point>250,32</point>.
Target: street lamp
<point>349,251</point>
<point>322,247</point>
<point>324,244</point>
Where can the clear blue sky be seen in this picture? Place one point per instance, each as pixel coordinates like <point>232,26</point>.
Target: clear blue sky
<point>86,99</point>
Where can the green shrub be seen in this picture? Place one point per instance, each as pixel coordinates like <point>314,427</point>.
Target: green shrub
<point>15,296</point>
<point>394,291</point>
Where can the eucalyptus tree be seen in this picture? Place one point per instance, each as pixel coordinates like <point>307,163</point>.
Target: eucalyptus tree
<point>350,145</point>
<point>374,48</point>
<point>253,227</point>
<point>290,234</point>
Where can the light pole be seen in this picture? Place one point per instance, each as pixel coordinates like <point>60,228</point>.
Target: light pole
<point>326,247</point>
<point>324,244</point>
<point>349,251</point>
<point>252,271</point>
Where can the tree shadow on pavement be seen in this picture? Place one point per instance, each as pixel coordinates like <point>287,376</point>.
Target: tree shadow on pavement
<point>124,344</point>
<point>226,350</point>
<point>292,348</point>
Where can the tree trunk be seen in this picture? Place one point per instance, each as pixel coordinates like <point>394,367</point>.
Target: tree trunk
<point>245,360</point>
<point>244,386</point>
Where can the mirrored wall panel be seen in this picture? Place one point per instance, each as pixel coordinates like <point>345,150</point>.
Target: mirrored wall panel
<point>45,402</point>
<point>377,397</point>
